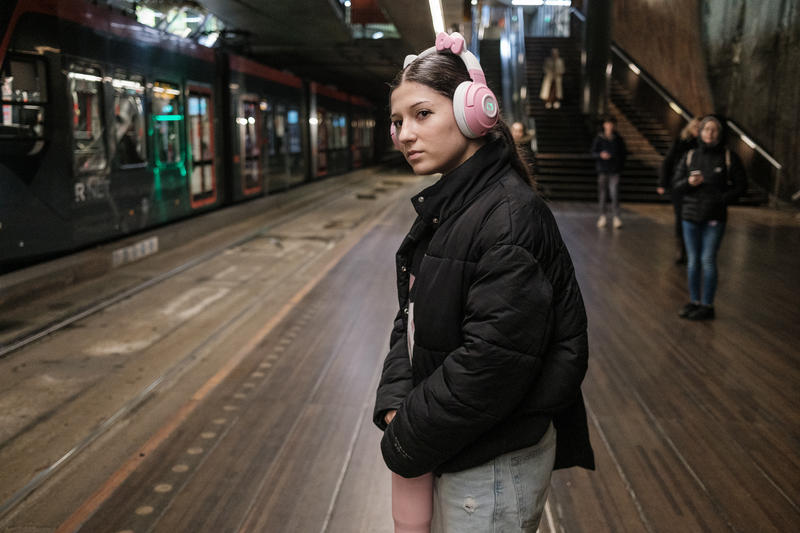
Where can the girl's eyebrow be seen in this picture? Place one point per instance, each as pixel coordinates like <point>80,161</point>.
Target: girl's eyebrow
<point>411,106</point>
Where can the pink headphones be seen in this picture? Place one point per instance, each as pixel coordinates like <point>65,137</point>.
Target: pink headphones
<point>474,104</point>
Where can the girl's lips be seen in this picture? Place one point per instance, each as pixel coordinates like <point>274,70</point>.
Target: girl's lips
<point>413,154</point>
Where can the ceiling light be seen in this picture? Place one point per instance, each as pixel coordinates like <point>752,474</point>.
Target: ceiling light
<point>377,35</point>
<point>436,15</point>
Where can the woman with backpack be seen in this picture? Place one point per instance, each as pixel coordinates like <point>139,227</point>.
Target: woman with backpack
<point>709,178</point>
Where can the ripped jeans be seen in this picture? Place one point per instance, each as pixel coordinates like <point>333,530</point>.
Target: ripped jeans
<point>504,495</point>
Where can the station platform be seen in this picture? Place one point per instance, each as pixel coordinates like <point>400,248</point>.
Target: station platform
<point>225,381</point>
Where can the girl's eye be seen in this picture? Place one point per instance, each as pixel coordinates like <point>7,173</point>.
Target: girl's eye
<point>424,113</point>
<point>397,124</point>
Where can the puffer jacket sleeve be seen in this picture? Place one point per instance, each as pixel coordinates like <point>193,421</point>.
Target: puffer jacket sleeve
<point>567,357</point>
<point>479,383</point>
<point>680,179</point>
<point>396,378</point>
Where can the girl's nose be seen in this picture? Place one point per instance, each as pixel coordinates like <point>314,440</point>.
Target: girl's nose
<point>406,133</point>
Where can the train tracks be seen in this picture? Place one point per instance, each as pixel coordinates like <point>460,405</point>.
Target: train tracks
<point>353,191</point>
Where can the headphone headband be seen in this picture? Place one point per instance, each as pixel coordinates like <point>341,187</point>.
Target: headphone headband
<point>474,104</point>
<point>455,43</point>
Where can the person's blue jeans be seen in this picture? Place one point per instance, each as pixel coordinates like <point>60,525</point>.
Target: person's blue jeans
<point>702,241</point>
<point>506,494</point>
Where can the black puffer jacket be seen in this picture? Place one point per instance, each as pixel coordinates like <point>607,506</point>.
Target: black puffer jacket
<point>500,342</point>
<point>724,180</point>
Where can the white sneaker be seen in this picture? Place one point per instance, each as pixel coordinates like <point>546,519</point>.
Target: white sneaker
<point>557,105</point>
<point>601,222</point>
<point>548,105</point>
<point>617,223</point>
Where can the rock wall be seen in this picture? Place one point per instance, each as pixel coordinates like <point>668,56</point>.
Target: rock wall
<point>740,58</point>
<point>753,51</point>
<point>664,36</point>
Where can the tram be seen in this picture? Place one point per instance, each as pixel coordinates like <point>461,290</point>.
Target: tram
<point>110,127</point>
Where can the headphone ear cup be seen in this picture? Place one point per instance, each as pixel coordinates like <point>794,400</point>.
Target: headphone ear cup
<point>475,108</point>
<point>393,133</point>
<point>460,109</point>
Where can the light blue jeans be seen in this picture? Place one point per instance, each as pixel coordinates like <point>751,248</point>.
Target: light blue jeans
<point>504,495</point>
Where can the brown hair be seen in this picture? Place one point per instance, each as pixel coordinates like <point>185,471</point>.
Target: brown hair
<point>690,129</point>
<point>443,72</point>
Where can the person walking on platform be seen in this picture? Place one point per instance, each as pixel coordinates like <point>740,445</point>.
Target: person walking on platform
<point>685,142</point>
<point>709,178</point>
<point>481,384</point>
<point>552,91</point>
<point>609,152</point>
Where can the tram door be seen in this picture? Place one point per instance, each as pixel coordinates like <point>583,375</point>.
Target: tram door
<point>88,137</point>
<point>252,146</point>
<point>91,194</point>
<point>202,184</point>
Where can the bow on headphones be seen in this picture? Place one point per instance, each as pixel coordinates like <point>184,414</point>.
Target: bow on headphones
<point>474,104</point>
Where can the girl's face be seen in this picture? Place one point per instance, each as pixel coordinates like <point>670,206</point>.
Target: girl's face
<point>426,129</point>
<point>710,133</point>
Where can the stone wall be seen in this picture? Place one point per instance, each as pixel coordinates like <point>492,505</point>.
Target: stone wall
<point>753,51</point>
<point>665,38</point>
<point>739,58</point>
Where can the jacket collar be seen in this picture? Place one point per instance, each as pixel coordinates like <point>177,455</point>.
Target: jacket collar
<point>458,188</point>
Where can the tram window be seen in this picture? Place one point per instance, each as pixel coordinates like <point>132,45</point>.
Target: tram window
<point>342,131</point>
<point>280,145</point>
<point>24,93</point>
<point>248,128</point>
<point>167,118</point>
<point>293,131</point>
<point>267,128</point>
<point>89,145</point>
<point>129,122</point>
<point>202,145</point>
<point>356,125</point>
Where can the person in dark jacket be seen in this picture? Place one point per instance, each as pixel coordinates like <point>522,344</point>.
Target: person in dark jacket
<point>709,178</point>
<point>686,141</point>
<point>489,345</point>
<point>609,152</point>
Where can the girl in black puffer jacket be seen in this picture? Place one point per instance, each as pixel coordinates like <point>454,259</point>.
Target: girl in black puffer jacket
<point>481,385</point>
<point>709,178</point>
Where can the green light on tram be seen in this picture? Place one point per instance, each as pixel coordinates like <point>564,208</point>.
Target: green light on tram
<point>167,118</point>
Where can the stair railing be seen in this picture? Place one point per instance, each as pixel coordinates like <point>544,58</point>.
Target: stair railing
<point>761,167</point>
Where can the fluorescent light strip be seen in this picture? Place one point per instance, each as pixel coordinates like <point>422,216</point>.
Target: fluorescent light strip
<point>676,108</point>
<point>634,68</point>
<point>436,15</point>
<point>85,77</point>
<point>126,84</point>
<point>564,3</point>
<point>749,142</point>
